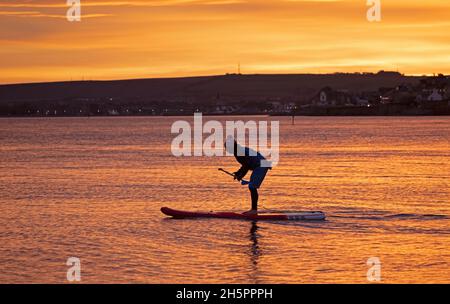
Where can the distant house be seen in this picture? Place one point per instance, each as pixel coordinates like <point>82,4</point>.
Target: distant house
<point>387,95</point>
<point>329,97</point>
<point>362,102</point>
<point>113,112</point>
<point>436,95</point>
<point>431,95</point>
<point>224,109</point>
<point>275,105</point>
<point>282,107</point>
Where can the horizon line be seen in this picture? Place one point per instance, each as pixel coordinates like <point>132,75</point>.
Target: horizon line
<point>218,75</point>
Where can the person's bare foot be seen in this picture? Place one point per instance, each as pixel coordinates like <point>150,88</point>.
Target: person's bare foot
<point>251,212</point>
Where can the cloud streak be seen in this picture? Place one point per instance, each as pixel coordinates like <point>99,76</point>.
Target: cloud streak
<point>36,14</point>
<point>158,3</point>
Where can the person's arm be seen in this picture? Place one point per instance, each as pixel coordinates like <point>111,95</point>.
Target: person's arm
<point>240,174</point>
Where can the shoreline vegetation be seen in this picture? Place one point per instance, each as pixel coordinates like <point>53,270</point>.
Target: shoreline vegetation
<point>341,94</point>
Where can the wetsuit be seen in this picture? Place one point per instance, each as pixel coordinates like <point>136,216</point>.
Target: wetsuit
<point>250,161</point>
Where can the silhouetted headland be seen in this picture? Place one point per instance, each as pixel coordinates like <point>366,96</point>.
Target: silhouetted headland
<point>382,93</point>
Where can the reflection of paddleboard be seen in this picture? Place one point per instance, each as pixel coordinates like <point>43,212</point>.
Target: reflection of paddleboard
<point>287,216</point>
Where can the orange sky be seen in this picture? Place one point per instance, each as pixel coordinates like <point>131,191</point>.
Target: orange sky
<point>145,38</point>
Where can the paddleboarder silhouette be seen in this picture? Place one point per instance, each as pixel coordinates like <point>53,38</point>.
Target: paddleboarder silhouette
<point>250,160</point>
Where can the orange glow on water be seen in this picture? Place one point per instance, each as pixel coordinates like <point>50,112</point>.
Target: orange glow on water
<point>93,187</point>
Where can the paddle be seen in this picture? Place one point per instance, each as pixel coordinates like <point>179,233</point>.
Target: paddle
<point>226,172</point>
<point>243,182</point>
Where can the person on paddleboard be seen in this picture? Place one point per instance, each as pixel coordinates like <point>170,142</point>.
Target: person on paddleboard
<point>250,160</point>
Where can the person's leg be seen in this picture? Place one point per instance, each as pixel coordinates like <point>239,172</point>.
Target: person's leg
<point>256,180</point>
<point>254,195</point>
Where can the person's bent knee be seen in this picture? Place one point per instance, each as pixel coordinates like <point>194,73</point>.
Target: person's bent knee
<point>252,187</point>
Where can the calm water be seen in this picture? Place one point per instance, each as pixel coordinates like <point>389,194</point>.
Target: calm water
<point>92,188</point>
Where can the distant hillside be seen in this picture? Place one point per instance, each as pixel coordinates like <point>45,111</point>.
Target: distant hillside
<point>298,87</point>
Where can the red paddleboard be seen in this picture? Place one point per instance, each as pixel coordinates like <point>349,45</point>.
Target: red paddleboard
<point>287,216</point>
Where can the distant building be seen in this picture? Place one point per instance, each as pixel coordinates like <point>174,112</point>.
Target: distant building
<point>282,107</point>
<point>387,95</point>
<point>329,97</point>
<point>362,102</point>
<point>431,95</point>
<point>435,95</point>
<point>113,112</point>
<point>224,109</point>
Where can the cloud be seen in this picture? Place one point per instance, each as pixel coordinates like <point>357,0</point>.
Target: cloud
<point>46,9</point>
<point>157,3</point>
<point>36,14</point>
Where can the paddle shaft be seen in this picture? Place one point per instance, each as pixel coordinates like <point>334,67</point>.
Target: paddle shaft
<point>226,172</point>
<point>243,181</point>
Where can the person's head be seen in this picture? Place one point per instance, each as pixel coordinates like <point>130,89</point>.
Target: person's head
<point>230,145</point>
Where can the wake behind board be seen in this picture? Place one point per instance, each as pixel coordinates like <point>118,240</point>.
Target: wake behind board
<point>287,216</point>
